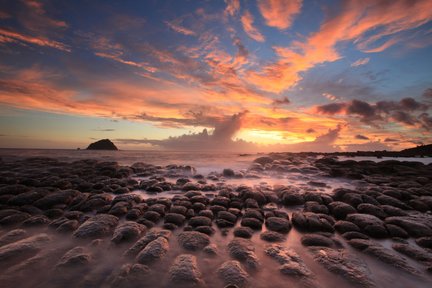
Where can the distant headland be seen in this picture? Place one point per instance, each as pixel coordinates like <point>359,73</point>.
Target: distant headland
<point>104,144</point>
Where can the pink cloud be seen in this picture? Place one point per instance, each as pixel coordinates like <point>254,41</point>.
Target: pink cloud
<point>248,26</point>
<point>279,13</point>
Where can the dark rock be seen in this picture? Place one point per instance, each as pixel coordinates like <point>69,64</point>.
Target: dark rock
<point>396,231</point>
<point>425,242</point>
<point>253,223</point>
<point>354,235</point>
<point>146,239</point>
<point>199,221</point>
<point>383,254</point>
<point>340,209</point>
<point>366,208</point>
<point>311,222</point>
<point>68,226</point>
<point>278,224</point>
<point>153,251</point>
<point>271,236</point>
<point>15,252</point>
<point>184,271</point>
<point>232,273</point>
<point>127,231</point>
<point>345,226</point>
<point>347,266</point>
<point>243,250</point>
<point>228,216</point>
<point>193,240</point>
<point>12,236</point>
<point>315,207</point>
<point>243,232</point>
<point>98,226</point>
<point>205,229</point>
<point>104,144</point>
<point>152,216</point>
<point>391,201</point>
<point>177,219</point>
<point>316,240</point>
<point>38,220</point>
<point>410,224</point>
<point>414,253</point>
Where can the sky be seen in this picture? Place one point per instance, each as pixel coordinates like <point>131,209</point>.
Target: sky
<point>243,75</point>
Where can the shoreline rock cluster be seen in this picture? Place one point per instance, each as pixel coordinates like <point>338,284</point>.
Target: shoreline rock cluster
<point>100,205</point>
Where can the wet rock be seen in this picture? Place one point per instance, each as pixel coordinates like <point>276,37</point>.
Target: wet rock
<point>152,216</point>
<point>340,209</point>
<point>127,231</point>
<point>199,221</point>
<point>193,240</point>
<point>153,251</point>
<point>316,240</point>
<point>371,225</point>
<point>177,219</point>
<point>252,223</point>
<point>263,160</point>
<point>244,251</point>
<point>393,211</point>
<point>68,226</point>
<point>26,198</point>
<point>410,224</point>
<point>383,254</point>
<point>396,231</point>
<point>243,232</point>
<point>412,252</point>
<point>278,224</point>
<point>205,229</point>
<point>146,239</point>
<point>228,216</point>
<point>291,264</point>
<point>14,219</point>
<point>211,250</point>
<point>13,253</point>
<point>232,273</point>
<point>38,220</point>
<point>292,197</point>
<point>345,226</point>
<point>311,222</point>
<point>184,271</point>
<point>56,198</point>
<point>271,236</point>
<point>391,201</point>
<point>366,208</point>
<point>315,207</point>
<point>98,226</point>
<point>253,213</point>
<point>131,276</point>
<point>77,257</point>
<point>354,235</point>
<point>341,263</point>
<point>178,209</point>
<point>12,236</point>
<point>425,242</point>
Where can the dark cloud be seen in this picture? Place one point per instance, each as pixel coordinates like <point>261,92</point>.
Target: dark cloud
<point>405,111</point>
<point>390,140</point>
<point>331,109</point>
<point>283,101</point>
<point>310,130</point>
<point>368,146</point>
<point>361,137</point>
<point>363,109</point>
<point>104,130</point>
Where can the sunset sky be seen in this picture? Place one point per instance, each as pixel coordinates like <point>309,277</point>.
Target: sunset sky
<point>257,75</point>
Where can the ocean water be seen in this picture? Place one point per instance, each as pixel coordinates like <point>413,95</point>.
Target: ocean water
<point>204,162</point>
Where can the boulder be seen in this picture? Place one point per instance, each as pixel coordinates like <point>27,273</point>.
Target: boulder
<point>232,273</point>
<point>193,240</point>
<point>98,226</point>
<point>153,251</point>
<point>127,231</point>
<point>184,271</point>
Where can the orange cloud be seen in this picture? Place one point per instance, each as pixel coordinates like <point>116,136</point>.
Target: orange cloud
<point>11,36</point>
<point>179,29</point>
<point>350,24</point>
<point>247,22</point>
<point>232,8</point>
<point>279,13</point>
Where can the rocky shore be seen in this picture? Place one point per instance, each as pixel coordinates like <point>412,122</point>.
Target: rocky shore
<point>91,223</point>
